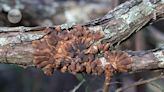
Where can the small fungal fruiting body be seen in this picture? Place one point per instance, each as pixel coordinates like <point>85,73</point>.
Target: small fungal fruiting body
<point>67,50</point>
<point>119,60</point>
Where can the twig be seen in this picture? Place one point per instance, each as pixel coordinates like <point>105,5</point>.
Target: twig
<point>159,88</point>
<point>78,86</point>
<point>140,83</point>
<point>106,85</point>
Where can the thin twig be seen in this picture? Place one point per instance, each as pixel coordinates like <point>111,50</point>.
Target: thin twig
<point>140,83</point>
<point>159,88</point>
<point>117,82</point>
<point>106,85</point>
<point>78,86</point>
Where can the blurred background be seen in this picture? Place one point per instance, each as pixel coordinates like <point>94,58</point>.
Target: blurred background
<point>55,12</point>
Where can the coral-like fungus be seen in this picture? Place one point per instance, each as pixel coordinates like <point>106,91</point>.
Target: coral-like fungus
<point>68,50</point>
<point>119,60</point>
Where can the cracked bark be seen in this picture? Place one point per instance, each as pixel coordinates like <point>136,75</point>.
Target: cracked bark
<point>118,25</point>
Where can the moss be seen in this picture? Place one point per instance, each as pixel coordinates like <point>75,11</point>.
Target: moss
<point>67,25</point>
<point>160,57</point>
<point>20,38</point>
<point>3,41</point>
<point>109,32</point>
<point>31,36</point>
<point>148,8</point>
<point>137,12</point>
<point>162,1</point>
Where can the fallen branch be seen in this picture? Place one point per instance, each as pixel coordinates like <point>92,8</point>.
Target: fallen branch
<point>85,48</point>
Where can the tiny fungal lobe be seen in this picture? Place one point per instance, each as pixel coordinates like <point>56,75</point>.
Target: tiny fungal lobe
<point>119,60</point>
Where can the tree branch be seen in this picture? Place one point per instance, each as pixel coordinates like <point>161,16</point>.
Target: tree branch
<point>16,43</point>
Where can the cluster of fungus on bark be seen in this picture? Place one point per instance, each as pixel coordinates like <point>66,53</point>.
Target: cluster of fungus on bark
<point>74,50</point>
<point>67,50</point>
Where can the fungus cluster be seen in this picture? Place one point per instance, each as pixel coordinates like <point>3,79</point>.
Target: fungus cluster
<point>74,50</point>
